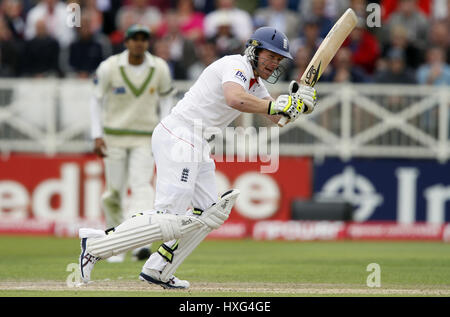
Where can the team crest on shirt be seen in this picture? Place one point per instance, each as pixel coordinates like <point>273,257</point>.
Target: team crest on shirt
<point>240,74</point>
<point>95,79</point>
<point>151,90</point>
<point>185,175</point>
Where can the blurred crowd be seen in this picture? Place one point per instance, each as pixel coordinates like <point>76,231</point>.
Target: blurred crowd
<point>412,44</point>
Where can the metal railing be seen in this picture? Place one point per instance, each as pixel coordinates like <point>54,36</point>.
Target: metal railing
<point>365,120</point>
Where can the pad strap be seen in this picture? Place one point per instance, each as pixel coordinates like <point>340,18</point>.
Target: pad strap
<point>167,252</point>
<point>197,211</point>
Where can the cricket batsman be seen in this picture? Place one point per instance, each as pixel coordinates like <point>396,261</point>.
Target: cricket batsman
<point>187,206</point>
<point>128,88</point>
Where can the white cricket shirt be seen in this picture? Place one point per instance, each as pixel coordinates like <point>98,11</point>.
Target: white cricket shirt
<point>205,100</point>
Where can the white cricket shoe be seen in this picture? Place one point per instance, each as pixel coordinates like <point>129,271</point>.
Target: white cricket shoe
<point>154,277</point>
<point>87,260</point>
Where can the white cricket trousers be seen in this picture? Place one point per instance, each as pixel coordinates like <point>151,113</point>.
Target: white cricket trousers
<point>133,167</point>
<point>185,173</point>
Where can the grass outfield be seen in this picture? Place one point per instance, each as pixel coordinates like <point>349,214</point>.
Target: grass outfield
<point>36,266</point>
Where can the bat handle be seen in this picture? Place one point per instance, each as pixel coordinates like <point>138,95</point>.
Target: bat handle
<point>282,122</point>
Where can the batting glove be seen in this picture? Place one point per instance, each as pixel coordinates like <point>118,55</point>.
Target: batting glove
<point>287,106</point>
<point>306,94</point>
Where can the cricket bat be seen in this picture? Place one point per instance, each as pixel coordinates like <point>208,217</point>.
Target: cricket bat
<point>326,51</point>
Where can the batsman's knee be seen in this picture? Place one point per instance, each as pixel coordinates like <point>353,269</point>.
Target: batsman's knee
<point>217,214</point>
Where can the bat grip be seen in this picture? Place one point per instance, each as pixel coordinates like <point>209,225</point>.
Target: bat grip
<point>282,122</point>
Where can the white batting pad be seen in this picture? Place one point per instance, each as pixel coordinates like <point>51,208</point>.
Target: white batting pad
<point>216,214</point>
<point>186,246</point>
<point>142,230</point>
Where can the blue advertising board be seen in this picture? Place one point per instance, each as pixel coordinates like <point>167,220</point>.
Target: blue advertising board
<point>399,190</point>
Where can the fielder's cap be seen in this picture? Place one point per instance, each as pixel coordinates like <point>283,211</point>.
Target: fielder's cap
<point>135,29</point>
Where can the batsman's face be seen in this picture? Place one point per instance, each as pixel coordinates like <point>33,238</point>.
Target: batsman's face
<point>137,45</point>
<point>268,61</point>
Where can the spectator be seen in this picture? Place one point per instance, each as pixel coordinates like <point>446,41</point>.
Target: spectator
<point>241,21</point>
<point>248,5</point>
<point>190,22</point>
<point>343,69</point>
<point>316,9</point>
<point>207,53</point>
<point>277,15</point>
<point>310,37</point>
<point>138,12</point>
<point>435,71</point>
<point>398,38</point>
<point>226,41</point>
<point>161,5</point>
<point>54,13</point>
<point>96,16</point>
<point>204,6</point>
<point>97,11</point>
<point>364,46</point>
<point>86,53</point>
<point>412,19</point>
<point>162,49</point>
<point>440,9</point>
<point>126,19</point>
<point>360,7</point>
<point>42,53</point>
<point>10,52</point>
<point>302,58</point>
<point>12,13</point>
<point>439,35</point>
<point>396,72</point>
<point>291,4</point>
<point>390,6</point>
<point>332,9</point>
<point>109,9</point>
<point>182,50</point>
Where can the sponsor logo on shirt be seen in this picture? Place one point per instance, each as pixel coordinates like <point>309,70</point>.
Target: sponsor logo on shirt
<point>119,90</point>
<point>240,74</point>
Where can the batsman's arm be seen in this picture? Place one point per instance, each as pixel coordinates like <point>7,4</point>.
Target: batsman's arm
<point>272,118</point>
<point>236,97</point>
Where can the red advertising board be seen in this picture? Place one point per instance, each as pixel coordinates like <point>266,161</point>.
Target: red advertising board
<point>60,188</point>
<point>266,195</point>
<point>55,195</point>
<point>43,195</point>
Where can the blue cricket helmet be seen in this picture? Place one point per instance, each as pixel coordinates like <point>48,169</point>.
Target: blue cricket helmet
<point>270,39</point>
